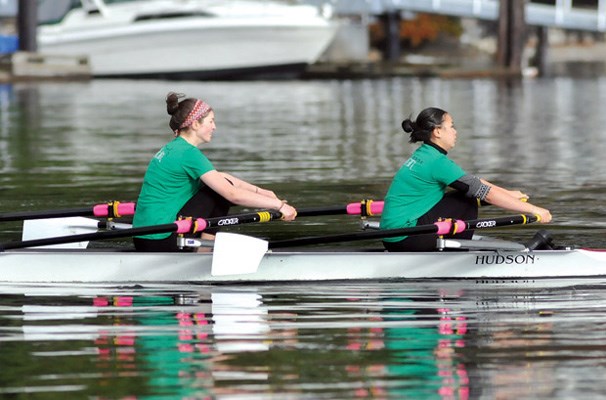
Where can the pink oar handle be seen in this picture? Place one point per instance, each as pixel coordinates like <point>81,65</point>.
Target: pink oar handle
<point>450,227</point>
<point>114,209</point>
<point>187,225</point>
<point>371,208</point>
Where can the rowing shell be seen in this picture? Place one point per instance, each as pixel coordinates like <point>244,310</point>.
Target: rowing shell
<point>104,266</point>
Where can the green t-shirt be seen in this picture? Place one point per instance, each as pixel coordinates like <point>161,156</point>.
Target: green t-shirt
<point>171,179</point>
<point>417,187</point>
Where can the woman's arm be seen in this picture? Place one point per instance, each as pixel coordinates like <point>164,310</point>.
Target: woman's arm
<point>513,193</point>
<point>515,201</point>
<point>248,186</point>
<point>243,193</point>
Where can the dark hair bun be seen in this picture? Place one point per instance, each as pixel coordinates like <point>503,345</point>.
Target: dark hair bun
<point>172,102</point>
<point>408,125</point>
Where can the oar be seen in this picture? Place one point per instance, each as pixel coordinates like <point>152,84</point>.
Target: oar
<point>250,251</point>
<point>439,228</point>
<point>53,227</point>
<point>363,208</point>
<point>113,209</point>
<point>46,224</point>
<point>247,258</point>
<point>181,226</point>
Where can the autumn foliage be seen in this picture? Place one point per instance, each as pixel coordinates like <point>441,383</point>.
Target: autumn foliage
<point>424,28</point>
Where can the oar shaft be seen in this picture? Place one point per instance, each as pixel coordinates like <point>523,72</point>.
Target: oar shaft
<point>439,228</point>
<point>363,208</point>
<point>237,219</point>
<point>320,211</point>
<point>109,210</point>
<point>23,215</point>
<point>91,236</point>
<point>349,237</point>
<point>116,209</point>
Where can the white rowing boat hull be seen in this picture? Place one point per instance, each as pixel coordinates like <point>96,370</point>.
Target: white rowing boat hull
<point>59,266</point>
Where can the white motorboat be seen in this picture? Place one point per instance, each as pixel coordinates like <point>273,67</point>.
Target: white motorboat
<point>188,39</point>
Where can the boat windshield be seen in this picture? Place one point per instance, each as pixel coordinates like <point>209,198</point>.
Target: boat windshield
<point>53,11</point>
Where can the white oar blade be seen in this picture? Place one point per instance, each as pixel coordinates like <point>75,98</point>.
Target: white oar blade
<point>56,227</point>
<point>235,254</point>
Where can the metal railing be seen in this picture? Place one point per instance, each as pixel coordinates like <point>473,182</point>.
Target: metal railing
<point>562,14</point>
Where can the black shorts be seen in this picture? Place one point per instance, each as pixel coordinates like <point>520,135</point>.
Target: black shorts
<point>453,205</point>
<point>205,204</point>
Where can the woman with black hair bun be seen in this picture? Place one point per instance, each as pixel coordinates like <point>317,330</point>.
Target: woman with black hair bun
<point>418,193</point>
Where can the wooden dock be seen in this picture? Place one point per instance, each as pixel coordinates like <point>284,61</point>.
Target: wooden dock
<point>24,65</point>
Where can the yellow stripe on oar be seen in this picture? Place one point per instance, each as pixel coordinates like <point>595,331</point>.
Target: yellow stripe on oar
<point>264,216</point>
<point>369,208</point>
<point>115,209</point>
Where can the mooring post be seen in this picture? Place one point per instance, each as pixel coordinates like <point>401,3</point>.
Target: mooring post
<point>511,34</point>
<point>391,25</point>
<point>541,50</point>
<point>27,21</point>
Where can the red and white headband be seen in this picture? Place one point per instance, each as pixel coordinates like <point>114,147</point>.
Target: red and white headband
<point>199,109</point>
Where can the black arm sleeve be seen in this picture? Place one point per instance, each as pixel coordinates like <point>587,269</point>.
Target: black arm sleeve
<point>472,187</point>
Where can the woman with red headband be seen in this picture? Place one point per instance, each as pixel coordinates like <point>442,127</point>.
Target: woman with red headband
<point>180,180</point>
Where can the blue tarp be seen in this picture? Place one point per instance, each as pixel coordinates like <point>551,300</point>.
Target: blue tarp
<point>9,44</point>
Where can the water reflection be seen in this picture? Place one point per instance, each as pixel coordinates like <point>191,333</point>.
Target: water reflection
<point>425,340</point>
<point>215,342</point>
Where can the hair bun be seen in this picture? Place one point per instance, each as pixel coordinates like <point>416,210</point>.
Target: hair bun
<point>408,125</point>
<point>172,102</point>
